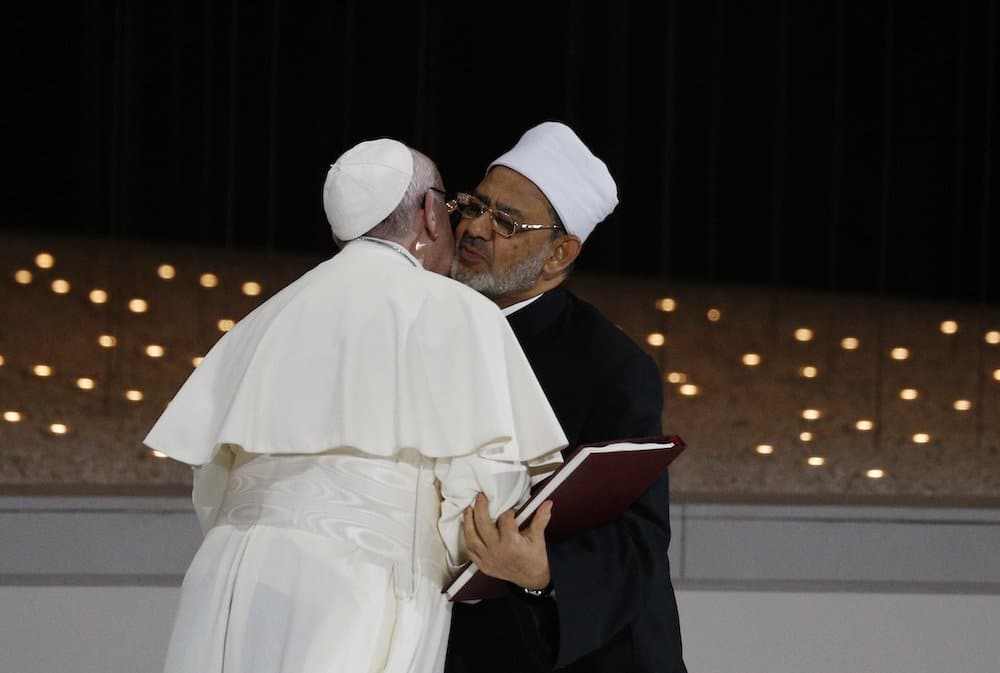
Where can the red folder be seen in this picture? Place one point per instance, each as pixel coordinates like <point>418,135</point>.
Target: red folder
<point>595,486</point>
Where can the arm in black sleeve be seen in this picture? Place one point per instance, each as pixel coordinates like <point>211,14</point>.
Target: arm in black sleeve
<point>602,577</point>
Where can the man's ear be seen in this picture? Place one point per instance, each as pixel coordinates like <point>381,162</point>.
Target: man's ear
<point>563,255</point>
<point>431,219</point>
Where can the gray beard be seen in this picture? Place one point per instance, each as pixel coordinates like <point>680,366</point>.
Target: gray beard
<point>517,278</point>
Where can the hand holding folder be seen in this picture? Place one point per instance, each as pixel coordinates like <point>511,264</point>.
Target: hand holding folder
<point>595,486</point>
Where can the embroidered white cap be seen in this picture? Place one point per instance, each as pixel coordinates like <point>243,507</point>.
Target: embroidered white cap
<point>576,183</point>
<point>365,185</point>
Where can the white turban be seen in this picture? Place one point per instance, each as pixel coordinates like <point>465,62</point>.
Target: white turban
<point>365,185</point>
<point>576,183</point>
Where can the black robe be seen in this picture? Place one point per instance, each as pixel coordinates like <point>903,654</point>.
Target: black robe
<point>615,602</point>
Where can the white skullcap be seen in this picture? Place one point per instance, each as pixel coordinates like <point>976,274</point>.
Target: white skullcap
<point>576,183</point>
<point>365,185</point>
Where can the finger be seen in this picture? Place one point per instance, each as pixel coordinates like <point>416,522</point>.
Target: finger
<point>472,540</point>
<point>507,525</point>
<point>543,515</point>
<point>484,525</point>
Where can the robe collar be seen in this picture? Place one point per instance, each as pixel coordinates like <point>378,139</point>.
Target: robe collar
<point>392,245</point>
<point>540,314</point>
<point>514,308</point>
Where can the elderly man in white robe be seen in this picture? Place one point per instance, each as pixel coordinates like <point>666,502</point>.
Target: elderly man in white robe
<point>338,433</point>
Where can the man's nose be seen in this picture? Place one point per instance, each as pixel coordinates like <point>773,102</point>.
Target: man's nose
<point>479,227</point>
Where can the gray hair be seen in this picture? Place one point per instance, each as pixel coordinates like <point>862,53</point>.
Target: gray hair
<point>497,284</point>
<point>399,222</point>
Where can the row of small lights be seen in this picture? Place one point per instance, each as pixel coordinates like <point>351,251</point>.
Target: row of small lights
<point>656,339</point>
<point>45,260</point>
<point>820,461</point>
<point>60,429</point>
<point>863,425</point>
<point>908,394</point>
<point>17,417</point>
<point>809,371</point>
<point>136,305</point>
<point>803,334</point>
<point>154,351</point>
<point>83,383</point>
<point>87,383</point>
<point>669,305</point>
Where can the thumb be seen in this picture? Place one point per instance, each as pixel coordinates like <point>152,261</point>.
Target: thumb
<point>536,530</point>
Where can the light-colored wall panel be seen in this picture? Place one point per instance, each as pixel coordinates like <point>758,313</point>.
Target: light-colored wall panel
<point>61,629</point>
<point>778,632</point>
<point>121,537</point>
<point>118,540</point>
<point>831,544</point>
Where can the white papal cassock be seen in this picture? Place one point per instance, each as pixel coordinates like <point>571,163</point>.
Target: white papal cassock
<point>339,431</point>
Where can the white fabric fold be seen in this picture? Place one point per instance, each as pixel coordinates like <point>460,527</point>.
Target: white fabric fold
<point>369,353</point>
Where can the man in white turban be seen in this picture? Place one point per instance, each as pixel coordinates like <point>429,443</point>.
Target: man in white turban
<point>338,433</point>
<point>607,605</point>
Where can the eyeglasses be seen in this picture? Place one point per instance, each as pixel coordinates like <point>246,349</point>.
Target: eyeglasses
<point>468,206</point>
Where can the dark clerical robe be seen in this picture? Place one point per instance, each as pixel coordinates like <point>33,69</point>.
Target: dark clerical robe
<point>614,608</point>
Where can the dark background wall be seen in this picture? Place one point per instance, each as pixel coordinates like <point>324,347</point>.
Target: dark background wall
<point>821,144</point>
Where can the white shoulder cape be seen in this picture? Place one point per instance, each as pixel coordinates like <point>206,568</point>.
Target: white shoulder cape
<point>368,352</point>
